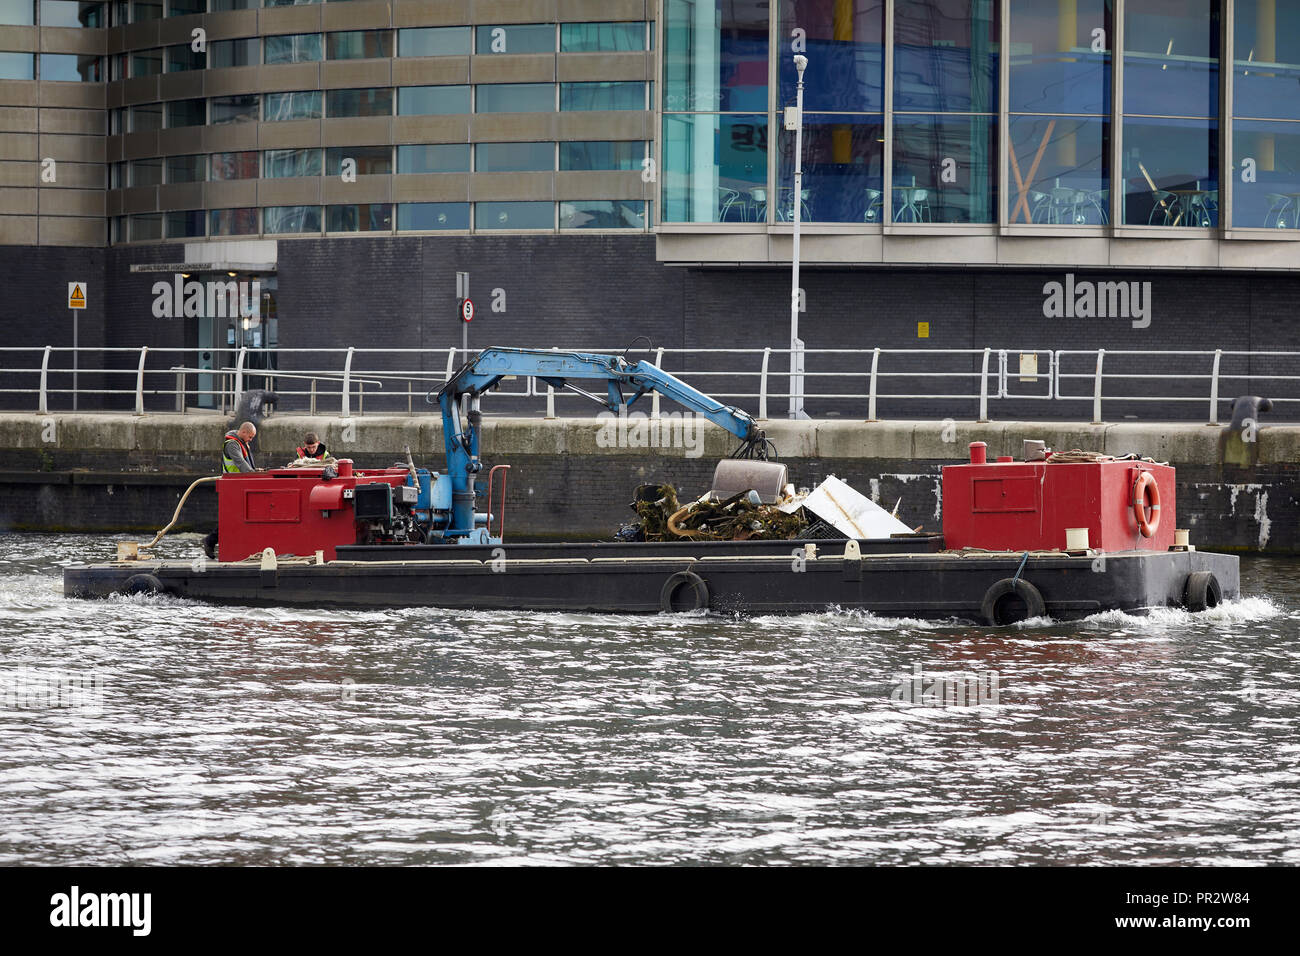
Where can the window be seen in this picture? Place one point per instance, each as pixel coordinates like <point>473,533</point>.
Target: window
<point>373,102</point>
<point>1266,116</point>
<point>17,66</point>
<point>715,168</point>
<point>359,45</point>
<point>432,100</point>
<point>293,48</point>
<point>141,10</point>
<point>181,8</point>
<point>144,228</point>
<point>182,57</point>
<point>277,107</point>
<point>602,155</point>
<point>516,38</point>
<point>515,98</point>
<point>434,41</point>
<point>432,216</point>
<point>184,225</point>
<point>287,3</point>
<point>147,117</point>
<point>370,160</point>
<point>235,109</point>
<point>18,13</point>
<point>733,77</point>
<point>843,170</point>
<point>187,169</point>
<point>233,222</point>
<point>282,219</point>
<point>1171,108</point>
<point>69,13</point>
<point>71,67</point>
<point>290,163</point>
<point>923,146</point>
<point>218,6</point>
<point>601,37</point>
<point>603,214</point>
<point>243,165</point>
<point>946,98</point>
<point>513,157</point>
<point>146,172</point>
<point>146,62</point>
<point>602,96</point>
<point>442,158</point>
<point>186,113</point>
<point>514,215</point>
<point>367,217</point>
<point>233,52</point>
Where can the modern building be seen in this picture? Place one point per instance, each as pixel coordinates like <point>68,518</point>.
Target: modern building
<point>1028,175</point>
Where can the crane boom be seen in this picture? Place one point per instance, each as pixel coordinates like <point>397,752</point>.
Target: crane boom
<point>624,382</point>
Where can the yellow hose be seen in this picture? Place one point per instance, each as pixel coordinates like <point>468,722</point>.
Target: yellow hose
<point>181,504</point>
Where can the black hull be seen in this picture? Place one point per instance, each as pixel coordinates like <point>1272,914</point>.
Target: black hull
<point>918,584</point>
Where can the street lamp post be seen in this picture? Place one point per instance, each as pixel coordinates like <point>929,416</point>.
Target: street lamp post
<point>796,344</point>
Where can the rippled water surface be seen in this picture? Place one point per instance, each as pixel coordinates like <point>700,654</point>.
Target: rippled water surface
<point>260,736</point>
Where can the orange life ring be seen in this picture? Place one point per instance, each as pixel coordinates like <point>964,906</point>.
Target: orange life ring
<point>1146,482</point>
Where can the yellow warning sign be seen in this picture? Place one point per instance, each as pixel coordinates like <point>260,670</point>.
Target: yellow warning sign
<point>76,295</point>
<point>923,330</point>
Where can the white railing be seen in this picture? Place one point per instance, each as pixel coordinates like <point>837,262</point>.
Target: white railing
<point>338,381</point>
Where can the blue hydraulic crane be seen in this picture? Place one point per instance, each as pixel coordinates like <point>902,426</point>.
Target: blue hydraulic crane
<point>624,382</point>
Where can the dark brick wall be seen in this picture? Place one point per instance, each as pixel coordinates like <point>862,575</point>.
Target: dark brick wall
<point>602,291</point>
<point>34,313</point>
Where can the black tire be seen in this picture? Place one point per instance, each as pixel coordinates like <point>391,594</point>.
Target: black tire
<point>684,591</point>
<point>142,584</point>
<point>1011,600</point>
<point>1202,591</point>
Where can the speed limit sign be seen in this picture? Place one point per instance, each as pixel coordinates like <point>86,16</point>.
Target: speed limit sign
<point>467,310</point>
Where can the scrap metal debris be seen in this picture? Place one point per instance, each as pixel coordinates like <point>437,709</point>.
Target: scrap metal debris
<point>740,517</point>
<point>831,510</point>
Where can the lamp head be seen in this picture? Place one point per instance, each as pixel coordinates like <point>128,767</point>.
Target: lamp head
<point>800,63</point>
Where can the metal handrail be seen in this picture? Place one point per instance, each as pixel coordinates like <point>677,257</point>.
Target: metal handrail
<point>749,380</point>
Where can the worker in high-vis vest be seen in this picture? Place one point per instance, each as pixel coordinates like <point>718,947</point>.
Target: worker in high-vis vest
<point>237,451</point>
<point>236,457</point>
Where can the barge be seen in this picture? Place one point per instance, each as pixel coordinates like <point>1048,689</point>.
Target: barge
<point>1061,536</point>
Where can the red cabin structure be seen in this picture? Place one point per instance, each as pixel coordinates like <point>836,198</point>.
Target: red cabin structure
<point>1026,506</point>
<point>292,510</point>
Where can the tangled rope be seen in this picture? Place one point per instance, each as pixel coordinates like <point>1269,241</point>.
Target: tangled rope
<point>1078,455</point>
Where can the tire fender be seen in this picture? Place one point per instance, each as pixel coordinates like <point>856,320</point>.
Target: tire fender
<point>685,584</point>
<point>1202,591</point>
<point>143,584</point>
<point>1032,597</point>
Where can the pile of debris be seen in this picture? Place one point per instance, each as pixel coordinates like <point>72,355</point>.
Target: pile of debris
<point>740,517</point>
<point>831,510</point>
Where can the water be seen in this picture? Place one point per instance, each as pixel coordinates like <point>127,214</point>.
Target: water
<point>260,736</point>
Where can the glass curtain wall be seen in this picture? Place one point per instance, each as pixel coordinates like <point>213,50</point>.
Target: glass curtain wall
<point>1059,105</point>
<point>844,95</point>
<point>715,111</point>
<point>1266,114</point>
<point>1171,109</point>
<point>945,110</point>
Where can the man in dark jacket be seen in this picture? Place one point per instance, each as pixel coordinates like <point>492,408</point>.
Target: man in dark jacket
<point>312,447</point>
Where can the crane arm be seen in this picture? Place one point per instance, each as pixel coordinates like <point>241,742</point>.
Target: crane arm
<point>485,371</point>
<point>624,382</point>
